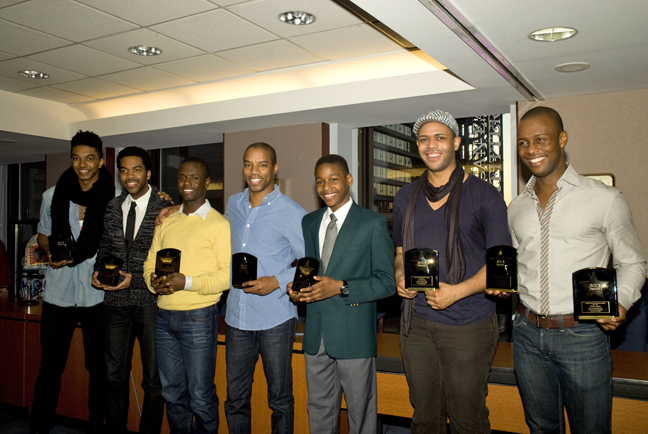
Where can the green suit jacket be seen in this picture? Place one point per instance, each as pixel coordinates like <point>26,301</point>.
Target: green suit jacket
<point>363,255</point>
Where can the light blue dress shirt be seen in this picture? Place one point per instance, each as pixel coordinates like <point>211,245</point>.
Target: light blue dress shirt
<point>68,286</point>
<point>272,232</point>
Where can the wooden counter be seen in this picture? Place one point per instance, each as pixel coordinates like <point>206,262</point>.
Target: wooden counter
<point>20,359</point>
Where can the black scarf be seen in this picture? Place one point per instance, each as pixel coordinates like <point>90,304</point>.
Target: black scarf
<point>95,201</point>
<point>456,262</point>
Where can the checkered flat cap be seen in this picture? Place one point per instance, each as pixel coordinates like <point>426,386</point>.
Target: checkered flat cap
<point>439,116</point>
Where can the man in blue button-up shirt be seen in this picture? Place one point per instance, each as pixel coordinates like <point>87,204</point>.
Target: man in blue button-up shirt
<point>260,318</point>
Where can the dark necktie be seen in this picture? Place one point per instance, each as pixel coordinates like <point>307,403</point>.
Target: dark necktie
<point>130,227</point>
<point>329,242</point>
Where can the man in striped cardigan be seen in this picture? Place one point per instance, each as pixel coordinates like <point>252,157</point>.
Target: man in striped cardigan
<point>130,308</point>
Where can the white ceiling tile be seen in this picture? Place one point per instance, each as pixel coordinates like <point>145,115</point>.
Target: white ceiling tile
<point>9,68</point>
<point>117,45</point>
<point>5,56</point>
<point>97,88</point>
<point>149,12</point>
<point>65,19</point>
<point>204,68</point>
<point>227,2</point>
<point>214,31</point>
<point>328,14</point>
<point>334,44</point>
<point>147,78</point>
<point>10,85</point>
<point>271,55</point>
<point>56,95</point>
<point>22,41</point>
<point>84,60</point>
<point>4,3</point>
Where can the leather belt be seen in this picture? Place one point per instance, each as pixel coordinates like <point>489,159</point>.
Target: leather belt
<point>547,321</point>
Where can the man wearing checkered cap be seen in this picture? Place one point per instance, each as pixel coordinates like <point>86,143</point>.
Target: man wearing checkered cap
<point>448,336</point>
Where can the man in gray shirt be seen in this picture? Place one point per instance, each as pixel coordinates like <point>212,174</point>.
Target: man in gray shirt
<point>563,222</point>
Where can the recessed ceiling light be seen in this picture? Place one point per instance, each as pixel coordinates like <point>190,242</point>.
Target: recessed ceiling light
<point>297,18</point>
<point>572,67</point>
<point>33,74</point>
<point>144,50</point>
<point>553,34</point>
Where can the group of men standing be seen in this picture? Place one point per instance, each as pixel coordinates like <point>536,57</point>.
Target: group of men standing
<point>448,336</point>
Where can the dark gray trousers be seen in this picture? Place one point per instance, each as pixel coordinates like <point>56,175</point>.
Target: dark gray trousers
<point>447,373</point>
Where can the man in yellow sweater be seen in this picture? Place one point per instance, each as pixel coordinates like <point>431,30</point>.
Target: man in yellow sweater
<point>187,321</point>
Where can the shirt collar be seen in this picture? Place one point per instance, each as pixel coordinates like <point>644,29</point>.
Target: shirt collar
<point>341,213</point>
<point>142,202</point>
<point>570,177</point>
<point>267,199</point>
<point>202,211</point>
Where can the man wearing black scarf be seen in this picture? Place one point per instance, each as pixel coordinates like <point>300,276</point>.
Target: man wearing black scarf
<point>75,207</point>
<point>448,336</point>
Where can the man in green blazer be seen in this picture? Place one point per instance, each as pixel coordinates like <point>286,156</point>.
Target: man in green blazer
<point>356,255</point>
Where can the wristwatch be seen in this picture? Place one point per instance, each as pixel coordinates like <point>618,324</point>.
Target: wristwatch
<point>344,291</point>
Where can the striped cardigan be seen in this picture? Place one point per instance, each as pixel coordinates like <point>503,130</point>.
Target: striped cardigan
<point>112,243</point>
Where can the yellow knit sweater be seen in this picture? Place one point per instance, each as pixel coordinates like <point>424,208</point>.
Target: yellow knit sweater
<point>206,255</point>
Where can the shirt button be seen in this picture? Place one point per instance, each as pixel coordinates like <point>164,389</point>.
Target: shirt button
<point>243,244</point>
<point>248,226</point>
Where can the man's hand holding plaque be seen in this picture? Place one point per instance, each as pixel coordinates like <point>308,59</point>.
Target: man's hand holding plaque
<point>109,273</point>
<point>595,294</point>
<point>244,269</point>
<point>167,277</point>
<point>61,248</point>
<point>305,272</point>
<point>421,269</point>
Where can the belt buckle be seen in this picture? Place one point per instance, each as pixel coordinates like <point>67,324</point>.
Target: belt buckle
<point>538,318</point>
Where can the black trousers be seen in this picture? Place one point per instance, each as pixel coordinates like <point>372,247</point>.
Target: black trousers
<point>57,329</point>
<point>123,325</point>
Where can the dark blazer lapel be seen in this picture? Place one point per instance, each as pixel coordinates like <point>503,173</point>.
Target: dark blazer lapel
<point>345,236</point>
<point>312,231</point>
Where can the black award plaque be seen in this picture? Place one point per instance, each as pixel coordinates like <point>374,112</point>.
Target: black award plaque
<point>167,262</point>
<point>595,294</point>
<point>307,269</point>
<point>61,248</point>
<point>244,268</point>
<point>109,270</point>
<point>502,269</point>
<point>421,269</point>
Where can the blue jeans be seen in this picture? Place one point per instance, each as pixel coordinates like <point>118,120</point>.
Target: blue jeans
<point>123,325</point>
<point>566,367</point>
<point>275,346</point>
<point>186,347</point>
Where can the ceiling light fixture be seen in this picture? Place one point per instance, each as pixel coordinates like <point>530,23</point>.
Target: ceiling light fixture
<point>572,67</point>
<point>297,18</point>
<point>33,74</point>
<point>144,50</point>
<point>553,34</point>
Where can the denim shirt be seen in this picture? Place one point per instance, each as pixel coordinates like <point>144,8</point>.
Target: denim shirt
<point>272,232</point>
<point>68,286</point>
